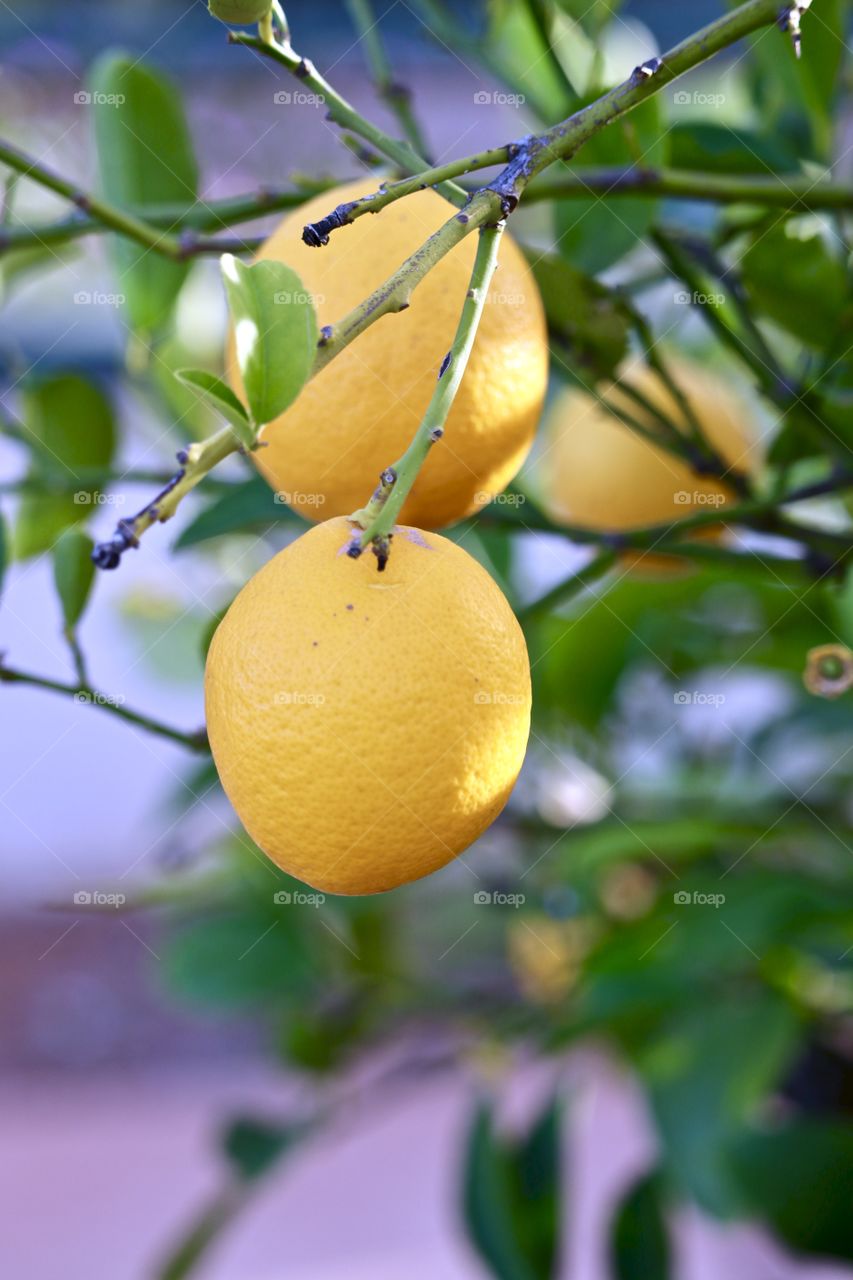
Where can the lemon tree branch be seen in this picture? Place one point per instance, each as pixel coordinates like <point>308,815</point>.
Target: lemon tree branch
<point>397,96</point>
<point>530,156</point>
<point>339,110</point>
<point>379,516</point>
<point>793,192</point>
<point>826,550</point>
<point>195,462</point>
<point>489,205</point>
<point>84,692</point>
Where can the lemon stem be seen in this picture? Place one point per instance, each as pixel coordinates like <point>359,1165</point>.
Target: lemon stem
<point>380,515</point>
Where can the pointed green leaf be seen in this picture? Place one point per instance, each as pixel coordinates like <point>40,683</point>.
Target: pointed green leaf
<point>220,395</point>
<point>536,1181</point>
<point>145,157</point>
<point>241,13</point>
<point>71,432</point>
<point>247,506</point>
<point>797,1179</point>
<point>639,1242</point>
<point>487,1202</point>
<point>275,331</point>
<point>73,572</point>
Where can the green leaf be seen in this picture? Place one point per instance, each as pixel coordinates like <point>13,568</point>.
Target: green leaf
<point>18,265</point>
<point>794,279</point>
<point>241,13</point>
<point>71,433</point>
<point>242,958</point>
<point>706,1072</point>
<point>248,506</point>
<point>594,233</point>
<point>487,1200</point>
<point>275,330</point>
<point>797,1179</point>
<point>639,1241</point>
<point>535,1169</point>
<point>523,53</point>
<point>223,398</point>
<point>73,573</point>
<point>145,156</point>
<point>716,148</point>
<point>586,317</point>
<point>594,15</point>
<point>254,1146</point>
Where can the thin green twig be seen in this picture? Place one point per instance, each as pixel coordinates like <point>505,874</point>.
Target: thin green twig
<point>380,515</point>
<point>85,693</point>
<point>397,96</point>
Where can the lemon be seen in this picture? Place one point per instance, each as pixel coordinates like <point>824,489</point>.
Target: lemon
<point>357,416</point>
<point>599,473</point>
<point>368,727</point>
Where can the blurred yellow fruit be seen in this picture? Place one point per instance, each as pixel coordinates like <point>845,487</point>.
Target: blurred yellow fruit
<point>368,727</point>
<point>358,416</point>
<point>546,955</point>
<point>599,473</point>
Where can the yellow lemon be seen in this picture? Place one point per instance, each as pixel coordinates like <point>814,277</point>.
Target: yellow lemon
<point>368,727</point>
<point>600,473</point>
<point>359,414</point>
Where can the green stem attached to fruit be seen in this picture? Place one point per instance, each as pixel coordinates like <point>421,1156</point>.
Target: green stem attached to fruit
<point>378,518</point>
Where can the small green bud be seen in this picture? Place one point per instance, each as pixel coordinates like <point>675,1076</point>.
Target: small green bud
<point>242,13</point>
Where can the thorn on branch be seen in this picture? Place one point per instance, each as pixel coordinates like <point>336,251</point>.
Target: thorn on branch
<point>445,365</point>
<point>790,19</point>
<point>646,70</point>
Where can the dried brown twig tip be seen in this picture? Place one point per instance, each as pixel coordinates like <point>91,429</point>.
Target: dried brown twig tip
<point>829,670</point>
<point>316,234</point>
